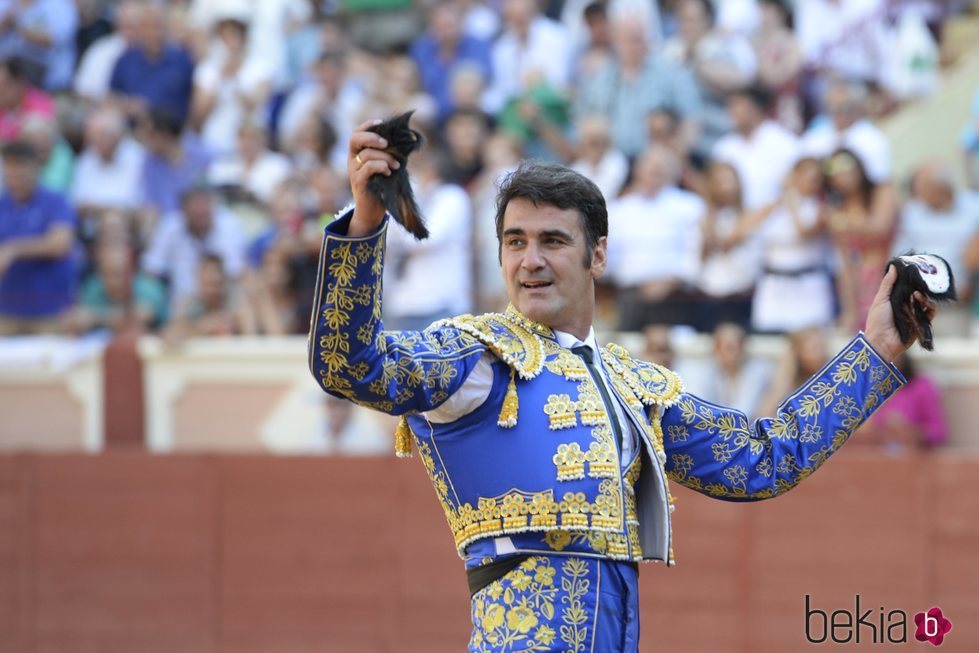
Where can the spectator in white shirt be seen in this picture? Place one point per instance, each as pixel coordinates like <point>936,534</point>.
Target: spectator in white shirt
<point>426,280</point>
<point>760,149</point>
<point>846,126</point>
<point>91,80</point>
<point>598,159</point>
<point>108,172</point>
<point>654,245</point>
<point>231,87</point>
<point>183,239</point>
<point>531,49</point>
<point>254,172</point>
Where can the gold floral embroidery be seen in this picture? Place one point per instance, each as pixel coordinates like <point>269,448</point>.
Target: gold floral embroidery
<point>575,585</point>
<point>413,361</point>
<point>513,613</point>
<point>652,384</point>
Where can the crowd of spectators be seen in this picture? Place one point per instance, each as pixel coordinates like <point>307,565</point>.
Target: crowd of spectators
<point>169,166</point>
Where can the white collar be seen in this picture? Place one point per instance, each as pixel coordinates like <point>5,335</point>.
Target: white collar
<point>568,340</point>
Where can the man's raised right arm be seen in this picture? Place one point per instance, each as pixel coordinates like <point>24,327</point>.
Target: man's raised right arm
<point>350,354</point>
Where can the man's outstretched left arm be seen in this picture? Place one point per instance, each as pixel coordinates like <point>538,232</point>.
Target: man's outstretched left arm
<point>714,450</point>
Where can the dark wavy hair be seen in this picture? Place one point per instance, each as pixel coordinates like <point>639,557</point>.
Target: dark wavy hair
<point>555,185</point>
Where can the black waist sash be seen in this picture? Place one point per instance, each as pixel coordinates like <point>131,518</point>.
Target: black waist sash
<point>481,576</point>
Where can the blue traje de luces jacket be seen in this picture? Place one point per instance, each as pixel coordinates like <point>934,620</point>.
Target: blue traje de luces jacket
<point>537,461</point>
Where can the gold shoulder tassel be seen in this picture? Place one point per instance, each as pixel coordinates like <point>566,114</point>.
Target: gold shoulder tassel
<point>508,414</point>
<point>402,439</point>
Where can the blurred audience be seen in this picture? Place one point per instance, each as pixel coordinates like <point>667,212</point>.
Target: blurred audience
<point>707,124</point>
<point>597,157</point>
<point>118,296</point>
<point>443,48</point>
<point>94,73</point>
<point>182,239</point>
<point>634,82</point>
<point>42,32</point>
<point>175,160</point>
<point>845,125</point>
<point>720,62</point>
<point>732,378</point>
<point>531,50</point>
<point>108,171</point>
<point>252,172</point>
<point>231,86</point>
<point>215,306</point>
<point>780,62</point>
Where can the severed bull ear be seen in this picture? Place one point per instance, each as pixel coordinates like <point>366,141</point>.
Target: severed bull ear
<point>394,191</point>
<point>925,273</point>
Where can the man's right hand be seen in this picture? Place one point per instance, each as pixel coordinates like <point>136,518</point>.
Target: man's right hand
<point>365,158</point>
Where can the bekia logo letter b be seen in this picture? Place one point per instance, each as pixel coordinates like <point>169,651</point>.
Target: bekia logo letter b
<point>932,626</point>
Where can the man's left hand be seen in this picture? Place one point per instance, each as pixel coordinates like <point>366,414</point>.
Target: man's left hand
<point>880,330</point>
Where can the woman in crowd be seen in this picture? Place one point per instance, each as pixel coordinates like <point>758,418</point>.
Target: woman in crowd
<point>730,252</point>
<point>795,290</point>
<point>862,217</point>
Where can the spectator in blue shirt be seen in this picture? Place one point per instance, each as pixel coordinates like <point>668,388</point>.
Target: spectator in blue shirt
<point>174,163</point>
<point>152,73</point>
<point>442,48</point>
<point>37,238</point>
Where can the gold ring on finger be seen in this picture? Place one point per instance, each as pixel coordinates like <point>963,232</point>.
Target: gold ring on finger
<point>359,160</point>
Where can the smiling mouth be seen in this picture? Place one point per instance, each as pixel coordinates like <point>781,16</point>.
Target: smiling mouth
<point>535,285</point>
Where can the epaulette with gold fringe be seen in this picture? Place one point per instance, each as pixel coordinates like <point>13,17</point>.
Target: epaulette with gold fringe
<point>513,339</point>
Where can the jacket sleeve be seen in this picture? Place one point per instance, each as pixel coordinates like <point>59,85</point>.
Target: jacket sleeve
<point>350,354</point>
<point>713,450</point>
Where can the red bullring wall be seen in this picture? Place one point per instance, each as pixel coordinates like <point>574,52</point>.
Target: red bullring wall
<point>137,553</point>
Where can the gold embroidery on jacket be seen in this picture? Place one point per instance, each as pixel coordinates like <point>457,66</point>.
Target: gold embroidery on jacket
<point>733,434</point>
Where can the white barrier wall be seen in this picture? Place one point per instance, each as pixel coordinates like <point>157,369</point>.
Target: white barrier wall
<point>51,394</point>
<point>256,394</point>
